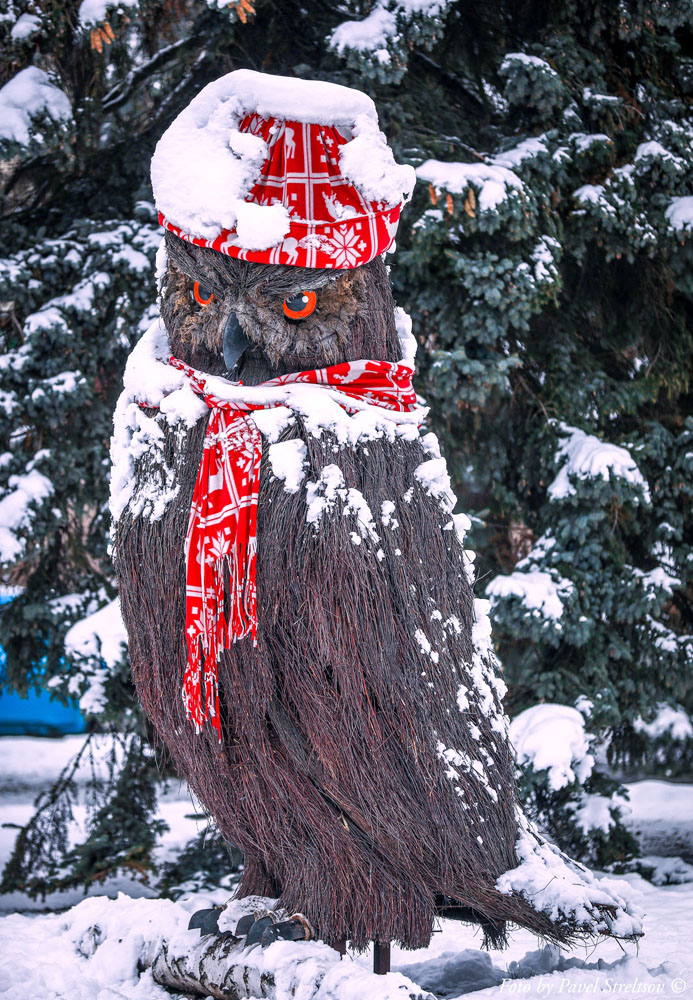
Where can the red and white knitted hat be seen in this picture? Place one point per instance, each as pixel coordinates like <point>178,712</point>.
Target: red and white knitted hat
<point>281,171</point>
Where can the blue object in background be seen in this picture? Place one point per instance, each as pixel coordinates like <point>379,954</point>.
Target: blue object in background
<point>36,714</point>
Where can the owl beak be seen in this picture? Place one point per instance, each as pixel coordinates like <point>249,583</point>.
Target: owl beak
<point>235,342</point>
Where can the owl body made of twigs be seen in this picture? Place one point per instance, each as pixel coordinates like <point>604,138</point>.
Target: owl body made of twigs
<point>359,754</point>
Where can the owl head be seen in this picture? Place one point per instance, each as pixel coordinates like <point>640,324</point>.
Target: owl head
<point>278,197</point>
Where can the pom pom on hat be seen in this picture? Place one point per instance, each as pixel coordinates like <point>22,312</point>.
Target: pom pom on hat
<point>278,170</point>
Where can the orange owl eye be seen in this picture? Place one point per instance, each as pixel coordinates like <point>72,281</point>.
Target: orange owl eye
<point>202,295</point>
<point>301,306</point>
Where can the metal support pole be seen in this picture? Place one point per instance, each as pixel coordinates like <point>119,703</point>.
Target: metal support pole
<point>381,957</point>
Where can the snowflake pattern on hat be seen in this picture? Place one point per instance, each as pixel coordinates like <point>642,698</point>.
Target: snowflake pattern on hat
<point>331,224</point>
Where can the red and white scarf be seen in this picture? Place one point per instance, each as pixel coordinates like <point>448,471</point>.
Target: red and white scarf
<point>222,529</point>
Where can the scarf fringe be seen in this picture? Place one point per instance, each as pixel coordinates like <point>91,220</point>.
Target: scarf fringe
<point>205,648</point>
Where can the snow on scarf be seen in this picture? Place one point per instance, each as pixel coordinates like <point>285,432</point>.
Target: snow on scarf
<point>222,528</point>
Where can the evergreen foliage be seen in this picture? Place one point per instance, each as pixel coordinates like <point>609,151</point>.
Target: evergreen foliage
<point>585,819</point>
<point>62,367</point>
<point>545,260</point>
<point>205,863</point>
<point>558,325</point>
<point>122,834</point>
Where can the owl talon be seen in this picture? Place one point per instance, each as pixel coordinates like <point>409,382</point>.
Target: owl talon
<point>296,928</point>
<point>207,920</point>
<point>244,924</point>
<point>258,928</point>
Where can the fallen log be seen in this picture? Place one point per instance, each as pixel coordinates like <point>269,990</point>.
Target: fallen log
<point>221,967</point>
<point>151,939</point>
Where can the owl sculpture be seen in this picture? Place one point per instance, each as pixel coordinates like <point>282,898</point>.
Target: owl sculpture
<point>302,627</point>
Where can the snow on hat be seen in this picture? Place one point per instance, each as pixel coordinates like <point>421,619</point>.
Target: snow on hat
<point>281,171</point>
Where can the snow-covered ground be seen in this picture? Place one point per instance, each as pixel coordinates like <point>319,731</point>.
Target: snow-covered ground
<point>662,818</point>
<point>52,955</point>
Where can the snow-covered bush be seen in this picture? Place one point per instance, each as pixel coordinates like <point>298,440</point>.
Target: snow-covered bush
<point>570,800</point>
<point>577,592</point>
<point>29,101</point>
<point>379,44</point>
<point>531,84</point>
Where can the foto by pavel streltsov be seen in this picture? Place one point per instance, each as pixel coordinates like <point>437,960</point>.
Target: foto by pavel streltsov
<point>564,985</point>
